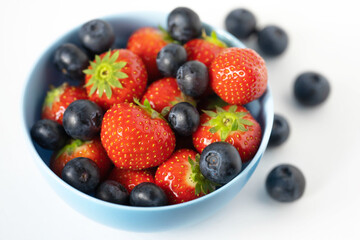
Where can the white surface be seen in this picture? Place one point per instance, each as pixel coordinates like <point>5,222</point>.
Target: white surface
<point>323,143</point>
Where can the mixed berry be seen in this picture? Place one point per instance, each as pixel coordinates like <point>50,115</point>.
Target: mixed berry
<point>163,121</point>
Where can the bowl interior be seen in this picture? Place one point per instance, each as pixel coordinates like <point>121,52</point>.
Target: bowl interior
<point>45,74</point>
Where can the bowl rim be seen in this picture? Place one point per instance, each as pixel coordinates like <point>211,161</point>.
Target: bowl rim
<point>45,169</point>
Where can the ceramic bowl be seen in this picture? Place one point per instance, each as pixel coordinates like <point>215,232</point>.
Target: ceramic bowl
<point>139,219</point>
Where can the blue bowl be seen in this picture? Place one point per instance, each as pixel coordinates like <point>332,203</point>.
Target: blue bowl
<point>138,219</point>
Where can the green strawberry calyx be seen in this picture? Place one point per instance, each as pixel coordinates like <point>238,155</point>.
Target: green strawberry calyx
<point>166,35</point>
<point>70,147</point>
<point>225,122</point>
<point>53,95</point>
<point>105,74</point>
<point>147,107</point>
<point>202,184</point>
<point>213,39</point>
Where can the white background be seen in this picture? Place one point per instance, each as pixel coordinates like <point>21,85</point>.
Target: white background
<point>324,141</point>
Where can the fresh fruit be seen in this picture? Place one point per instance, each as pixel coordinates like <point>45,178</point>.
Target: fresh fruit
<point>184,24</point>
<point>82,119</point>
<point>311,88</point>
<point>285,183</point>
<point>184,118</point>
<point>220,162</point>
<point>241,23</point>
<point>272,40</point>
<point>204,49</point>
<point>238,75</point>
<point>147,195</point>
<point>170,58</point>
<point>76,148</point>
<point>48,134</point>
<point>71,61</point>
<point>81,173</point>
<point>180,177</point>
<point>130,178</point>
<point>136,137</point>
<point>58,99</point>
<point>280,131</point>
<point>165,93</point>
<point>233,124</point>
<point>193,78</point>
<point>112,191</point>
<point>97,35</point>
<point>146,43</point>
<point>114,77</point>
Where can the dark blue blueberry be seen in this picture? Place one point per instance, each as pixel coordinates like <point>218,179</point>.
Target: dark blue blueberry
<point>82,119</point>
<point>285,183</point>
<point>280,131</point>
<point>97,36</point>
<point>220,162</point>
<point>48,134</point>
<point>81,173</point>
<point>241,23</point>
<point>170,58</point>
<point>71,61</point>
<point>112,191</point>
<point>272,40</point>
<point>184,118</point>
<point>147,194</point>
<point>193,78</point>
<point>311,88</point>
<point>184,24</point>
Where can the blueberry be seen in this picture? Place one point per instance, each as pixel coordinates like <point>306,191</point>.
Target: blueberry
<point>280,131</point>
<point>241,23</point>
<point>184,24</point>
<point>112,191</point>
<point>97,36</point>
<point>71,61</point>
<point>147,194</point>
<point>82,119</point>
<point>81,173</point>
<point>192,78</point>
<point>220,162</point>
<point>170,58</point>
<point>184,118</point>
<point>311,88</point>
<point>48,134</point>
<point>272,40</point>
<point>285,183</point>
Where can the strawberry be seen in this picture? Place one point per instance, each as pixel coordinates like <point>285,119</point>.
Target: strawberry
<point>238,75</point>
<point>232,124</point>
<point>77,148</point>
<point>180,177</point>
<point>165,93</point>
<point>114,77</point>
<point>147,42</point>
<point>58,99</point>
<point>136,137</point>
<point>204,49</point>
<point>130,178</point>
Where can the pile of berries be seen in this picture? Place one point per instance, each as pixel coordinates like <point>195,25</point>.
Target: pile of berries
<point>162,121</point>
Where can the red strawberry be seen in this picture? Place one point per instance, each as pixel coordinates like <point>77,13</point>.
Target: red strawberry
<point>180,177</point>
<point>58,99</point>
<point>232,124</point>
<point>205,49</point>
<point>130,178</point>
<point>77,148</point>
<point>147,42</point>
<point>136,137</point>
<point>238,75</point>
<point>165,93</point>
<point>114,77</point>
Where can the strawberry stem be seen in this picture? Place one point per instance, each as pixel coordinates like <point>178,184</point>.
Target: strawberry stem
<point>105,74</point>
